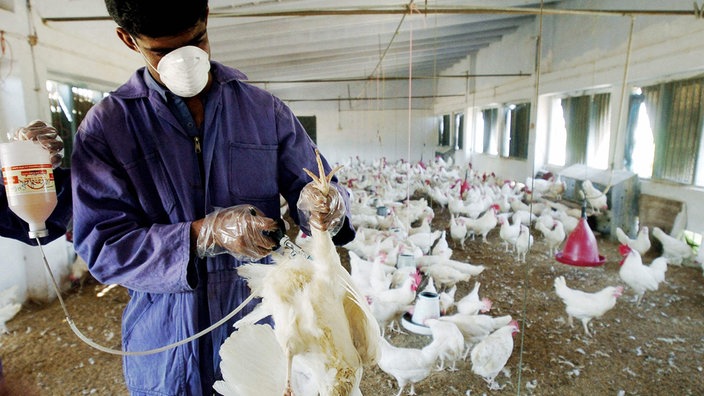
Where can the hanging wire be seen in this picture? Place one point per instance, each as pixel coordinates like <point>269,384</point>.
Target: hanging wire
<point>536,96</point>
<point>380,92</point>
<point>411,8</point>
<point>33,40</point>
<point>388,46</point>
<point>623,88</point>
<point>5,47</point>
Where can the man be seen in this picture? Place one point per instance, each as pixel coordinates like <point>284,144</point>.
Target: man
<point>183,162</point>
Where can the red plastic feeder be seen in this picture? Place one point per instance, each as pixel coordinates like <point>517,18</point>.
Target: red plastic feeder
<point>580,248</point>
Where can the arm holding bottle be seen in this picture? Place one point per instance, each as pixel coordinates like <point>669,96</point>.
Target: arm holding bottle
<point>11,226</point>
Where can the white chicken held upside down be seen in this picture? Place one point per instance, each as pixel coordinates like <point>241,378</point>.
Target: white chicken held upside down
<point>319,315</point>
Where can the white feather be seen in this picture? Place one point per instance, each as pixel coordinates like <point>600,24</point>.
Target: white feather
<point>253,363</point>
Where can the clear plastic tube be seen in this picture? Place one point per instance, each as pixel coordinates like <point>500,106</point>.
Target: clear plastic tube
<point>99,347</point>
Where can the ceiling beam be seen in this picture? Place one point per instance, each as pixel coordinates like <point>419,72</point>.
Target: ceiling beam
<point>357,36</point>
<point>362,79</point>
<point>335,67</point>
<point>459,10</point>
<point>350,53</point>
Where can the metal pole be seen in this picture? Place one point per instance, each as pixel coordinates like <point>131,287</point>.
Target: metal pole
<point>466,10</point>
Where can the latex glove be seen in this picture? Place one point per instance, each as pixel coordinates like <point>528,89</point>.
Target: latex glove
<point>323,212</point>
<point>238,231</point>
<point>45,135</point>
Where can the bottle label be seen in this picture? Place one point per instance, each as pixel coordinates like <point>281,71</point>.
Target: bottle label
<point>28,179</point>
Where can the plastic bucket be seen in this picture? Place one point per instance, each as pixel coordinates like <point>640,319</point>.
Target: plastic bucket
<point>427,307</point>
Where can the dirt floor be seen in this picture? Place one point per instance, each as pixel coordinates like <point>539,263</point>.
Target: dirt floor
<point>656,348</point>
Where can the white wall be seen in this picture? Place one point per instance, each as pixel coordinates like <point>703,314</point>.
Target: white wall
<point>25,69</point>
<point>23,265</point>
<point>372,134</point>
<point>580,53</point>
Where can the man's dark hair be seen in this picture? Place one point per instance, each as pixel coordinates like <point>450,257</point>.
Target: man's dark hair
<point>157,18</point>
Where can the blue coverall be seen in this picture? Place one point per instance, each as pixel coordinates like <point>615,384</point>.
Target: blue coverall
<point>140,178</point>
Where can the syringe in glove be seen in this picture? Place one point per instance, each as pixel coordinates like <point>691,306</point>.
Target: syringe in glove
<point>284,242</point>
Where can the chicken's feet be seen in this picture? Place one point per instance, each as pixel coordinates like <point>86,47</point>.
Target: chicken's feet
<point>466,352</point>
<point>638,299</point>
<point>395,327</point>
<point>586,327</point>
<point>493,385</point>
<point>322,181</point>
<point>441,366</point>
<point>400,389</point>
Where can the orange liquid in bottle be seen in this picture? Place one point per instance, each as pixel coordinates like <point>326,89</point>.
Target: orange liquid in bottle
<point>29,183</point>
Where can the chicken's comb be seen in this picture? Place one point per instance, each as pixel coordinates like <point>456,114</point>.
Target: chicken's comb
<point>417,277</point>
<point>624,249</point>
<point>514,324</point>
<point>487,305</point>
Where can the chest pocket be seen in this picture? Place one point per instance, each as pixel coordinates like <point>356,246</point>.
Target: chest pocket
<point>253,171</point>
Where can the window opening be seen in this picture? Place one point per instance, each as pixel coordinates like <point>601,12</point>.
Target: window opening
<point>68,105</point>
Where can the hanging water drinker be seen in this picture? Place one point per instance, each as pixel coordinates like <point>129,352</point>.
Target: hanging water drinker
<point>580,248</point>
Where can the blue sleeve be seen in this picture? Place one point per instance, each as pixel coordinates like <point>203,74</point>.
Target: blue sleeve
<point>11,226</point>
<point>119,240</point>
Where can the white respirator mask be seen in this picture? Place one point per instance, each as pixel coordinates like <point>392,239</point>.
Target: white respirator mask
<point>184,70</point>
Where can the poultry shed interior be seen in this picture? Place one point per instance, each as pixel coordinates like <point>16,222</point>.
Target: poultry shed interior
<point>530,170</point>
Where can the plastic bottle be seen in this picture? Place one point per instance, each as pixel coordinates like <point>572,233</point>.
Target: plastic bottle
<point>29,183</point>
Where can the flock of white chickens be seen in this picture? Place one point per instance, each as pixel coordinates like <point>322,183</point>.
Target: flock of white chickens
<point>399,252</point>
<point>331,323</point>
<point>390,229</point>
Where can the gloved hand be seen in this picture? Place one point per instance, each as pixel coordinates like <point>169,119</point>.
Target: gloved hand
<point>323,212</point>
<point>45,135</point>
<point>237,230</point>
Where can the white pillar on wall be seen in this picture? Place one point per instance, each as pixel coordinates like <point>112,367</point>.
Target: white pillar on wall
<point>17,98</point>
